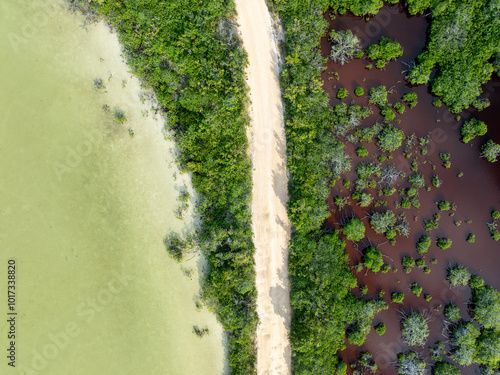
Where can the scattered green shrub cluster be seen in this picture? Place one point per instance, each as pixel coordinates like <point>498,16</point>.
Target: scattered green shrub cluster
<point>367,364</point>
<point>367,134</point>
<point>476,282</point>
<point>399,108</point>
<point>420,263</point>
<point>437,103</point>
<point>347,117</point>
<point>361,152</point>
<point>345,45</point>
<point>378,95</point>
<point>365,199</point>
<point>359,91</point>
<point>444,205</point>
<point>354,230</point>
<point>490,151</point>
<point>408,263</point>
<point>445,158</point>
<point>380,329</point>
<point>444,368</point>
<point>437,351</point>
<point>410,98</point>
<point>417,180</point>
<point>472,129</point>
<point>452,313</point>
<point>410,363</point>
<point>384,51</point>
<point>486,302</point>
<point>372,258</point>
<point>397,297</point>
<point>429,225</point>
<point>342,93</point>
<point>458,275</point>
<point>416,289</point>
<point>414,329</point>
<point>436,182</point>
<point>444,243</point>
<point>384,222</point>
<point>423,244</point>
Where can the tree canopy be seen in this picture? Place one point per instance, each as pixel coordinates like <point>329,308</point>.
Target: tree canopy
<point>471,129</point>
<point>354,230</point>
<point>444,368</point>
<point>410,363</point>
<point>390,138</point>
<point>414,329</point>
<point>345,45</point>
<point>384,51</point>
<point>487,306</point>
<point>372,258</point>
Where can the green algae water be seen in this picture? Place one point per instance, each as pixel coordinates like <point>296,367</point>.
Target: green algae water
<point>85,203</point>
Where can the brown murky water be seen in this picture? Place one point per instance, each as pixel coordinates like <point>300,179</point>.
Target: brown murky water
<point>475,194</point>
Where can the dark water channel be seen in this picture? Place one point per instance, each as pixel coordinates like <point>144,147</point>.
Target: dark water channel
<point>475,194</point>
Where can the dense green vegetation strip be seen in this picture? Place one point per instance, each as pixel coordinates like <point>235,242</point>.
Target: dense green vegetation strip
<point>189,52</point>
<point>324,311</point>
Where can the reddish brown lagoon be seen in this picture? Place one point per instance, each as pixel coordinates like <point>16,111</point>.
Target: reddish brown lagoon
<point>476,193</point>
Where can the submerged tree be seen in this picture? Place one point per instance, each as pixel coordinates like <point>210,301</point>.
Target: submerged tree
<point>384,51</point>
<point>345,45</point>
<point>444,368</point>
<point>490,151</point>
<point>437,351</point>
<point>397,297</point>
<point>417,180</point>
<point>486,309</point>
<point>458,275</point>
<point>463,340</point>
<point>347,117</point>
<point>471,129</point>
<point>410,363</point>
<point>390,138</point>
<point>354,230</point>
<point>372,258</point>
<point>410,98</point>
<point>488,348</point>
<point>378,95</point>
<point>365,199</point>
<point>389,175</point>
<point>423,244</point>
<point>452,313</point>
<point>444,243</point>
<point>414,329</point>
<point>367,363</point>
<point>381,222</point>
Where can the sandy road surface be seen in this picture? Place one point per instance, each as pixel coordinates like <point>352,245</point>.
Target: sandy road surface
<point>269,218</point>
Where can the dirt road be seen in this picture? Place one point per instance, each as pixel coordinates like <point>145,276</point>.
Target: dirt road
<point>270,223</point>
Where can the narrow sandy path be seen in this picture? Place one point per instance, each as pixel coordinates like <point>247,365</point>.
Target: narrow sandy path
<point>269,218</point>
